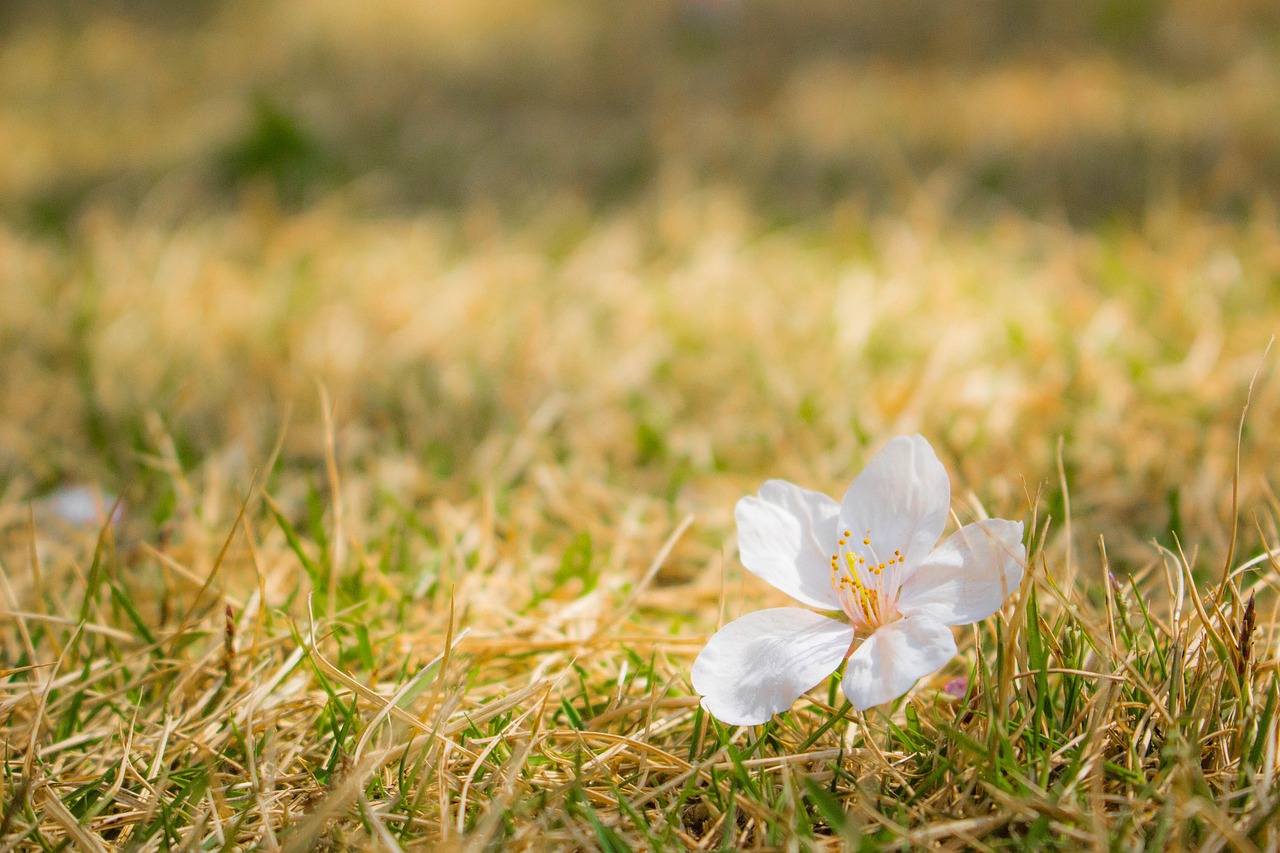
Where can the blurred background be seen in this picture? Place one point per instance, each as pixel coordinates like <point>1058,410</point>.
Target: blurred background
<point>670,247</point>
<point>1092,111</point>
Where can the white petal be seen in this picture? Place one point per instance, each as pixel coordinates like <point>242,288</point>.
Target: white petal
<point>787,536</point>
<point>900,502</point>
<point>967,577</point>
<point>759,665</point>
<point>893,658</point>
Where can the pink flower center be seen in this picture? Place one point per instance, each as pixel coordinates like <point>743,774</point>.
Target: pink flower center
<point>858,576</point>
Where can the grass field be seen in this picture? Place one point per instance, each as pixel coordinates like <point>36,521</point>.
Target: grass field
<point>420,353</point>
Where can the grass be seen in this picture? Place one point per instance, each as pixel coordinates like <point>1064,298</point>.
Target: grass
<point>427,353</point>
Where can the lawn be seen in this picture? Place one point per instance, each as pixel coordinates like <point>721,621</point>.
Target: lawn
<point>378,381</point>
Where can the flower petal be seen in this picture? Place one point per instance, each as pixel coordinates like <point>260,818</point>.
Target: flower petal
<point>759,665</point>
<point>787,536</point>
<point>968,576</point>
<point>900,502</point>
<point>892,659</point>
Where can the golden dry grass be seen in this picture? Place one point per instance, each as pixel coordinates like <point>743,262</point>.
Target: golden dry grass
<point>428,351</point>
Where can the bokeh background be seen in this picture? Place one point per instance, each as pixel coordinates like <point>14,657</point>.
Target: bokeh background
<point>667,248</point>
<point>1093,112</point>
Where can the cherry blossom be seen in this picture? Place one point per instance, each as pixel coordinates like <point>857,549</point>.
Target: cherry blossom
<point>875,558</point>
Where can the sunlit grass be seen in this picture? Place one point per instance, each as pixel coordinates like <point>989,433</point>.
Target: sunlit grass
<point>425,493</point>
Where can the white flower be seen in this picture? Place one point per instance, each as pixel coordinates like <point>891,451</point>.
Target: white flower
<point>871,556</point>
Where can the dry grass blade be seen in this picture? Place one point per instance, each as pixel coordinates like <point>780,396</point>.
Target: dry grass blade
<point>375,408</point>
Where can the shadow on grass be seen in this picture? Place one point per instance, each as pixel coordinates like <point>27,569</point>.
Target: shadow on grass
<point>703,88</point>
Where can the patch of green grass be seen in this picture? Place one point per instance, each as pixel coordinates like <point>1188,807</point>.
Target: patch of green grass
<point>406,443</point>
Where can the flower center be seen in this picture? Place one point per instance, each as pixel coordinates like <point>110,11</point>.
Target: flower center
<point>859,580</point>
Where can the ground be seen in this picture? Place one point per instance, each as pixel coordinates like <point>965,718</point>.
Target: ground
<point>377,382</point>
